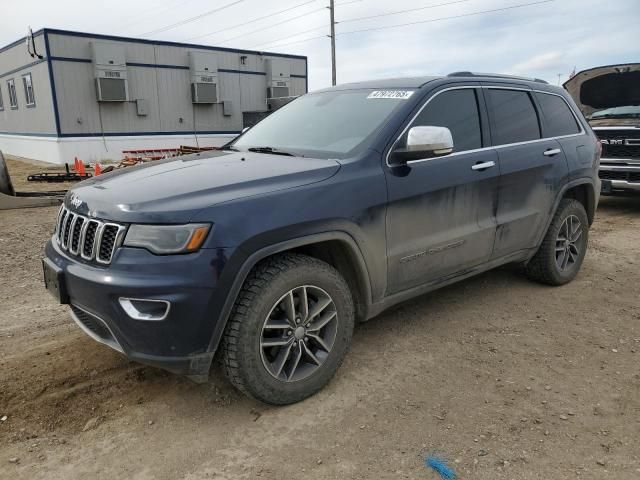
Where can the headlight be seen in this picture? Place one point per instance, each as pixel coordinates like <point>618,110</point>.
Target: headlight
<point>165,239</point>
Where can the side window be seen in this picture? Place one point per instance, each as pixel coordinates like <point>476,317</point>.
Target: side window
<point>13,97</point>
<point>513,116</point>
<point>557,115</point>
<point>458,111</point>
<point>27,82</point>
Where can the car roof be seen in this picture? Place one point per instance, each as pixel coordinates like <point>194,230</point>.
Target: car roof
<point>418,82</point>
<point>387,83</point>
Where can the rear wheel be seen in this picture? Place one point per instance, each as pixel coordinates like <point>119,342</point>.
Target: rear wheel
<point>289,330</point>
<point>563,249</point>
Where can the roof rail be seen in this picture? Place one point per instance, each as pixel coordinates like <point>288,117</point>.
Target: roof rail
<point>495,75</point>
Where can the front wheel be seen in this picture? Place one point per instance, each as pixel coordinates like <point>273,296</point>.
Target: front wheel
<point>563,249</point>
<point>289,330</point>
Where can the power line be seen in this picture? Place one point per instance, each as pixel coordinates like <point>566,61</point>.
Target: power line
<point>252,21</point>
<point>151,13</point>
<point>411,23</point>
<point>193,19</point>
<point>300,32</point>
<point>363,18</point>
<point>402,11</point>
<point>286,21</point>
<point>447,18</point>
<point>271,26</point>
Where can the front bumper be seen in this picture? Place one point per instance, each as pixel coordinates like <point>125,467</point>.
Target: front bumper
<point>619,176</point>
<point>180,342</point>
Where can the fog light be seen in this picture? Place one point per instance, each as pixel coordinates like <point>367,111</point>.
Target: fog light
<point>145,309</point>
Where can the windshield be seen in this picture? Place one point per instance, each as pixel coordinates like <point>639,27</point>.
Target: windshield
<point>332,124</point>
<point>620,112</point>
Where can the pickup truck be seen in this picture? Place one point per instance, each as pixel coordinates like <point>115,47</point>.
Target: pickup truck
<point>609,97</point>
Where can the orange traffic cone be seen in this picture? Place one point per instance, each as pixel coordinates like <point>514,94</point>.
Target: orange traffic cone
<point>97,169</point>
<point>75,164</point>
<point>81,169</point>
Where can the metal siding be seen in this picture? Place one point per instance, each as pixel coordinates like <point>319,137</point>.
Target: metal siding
<point>253,93</point>
<point>77,104</point>
<point>174,98</point>
<point>298,86</point>
<point>14,63</point>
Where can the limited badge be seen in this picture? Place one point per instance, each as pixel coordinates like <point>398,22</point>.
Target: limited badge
<point>395,94</point>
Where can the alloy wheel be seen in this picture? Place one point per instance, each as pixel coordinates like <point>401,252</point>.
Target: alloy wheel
<point>299,333</point>
<point>568,243</point>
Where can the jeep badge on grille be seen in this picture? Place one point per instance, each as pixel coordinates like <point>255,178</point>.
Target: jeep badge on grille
<point>75,201</point>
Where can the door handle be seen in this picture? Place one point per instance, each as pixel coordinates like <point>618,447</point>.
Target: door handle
<point>483,165</point>
<point>551,152</point>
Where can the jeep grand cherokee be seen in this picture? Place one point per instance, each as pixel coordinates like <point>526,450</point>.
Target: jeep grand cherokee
<point>342,203</point>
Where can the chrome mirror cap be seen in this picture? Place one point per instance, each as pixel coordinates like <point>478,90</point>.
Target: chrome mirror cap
<point>431,140</point>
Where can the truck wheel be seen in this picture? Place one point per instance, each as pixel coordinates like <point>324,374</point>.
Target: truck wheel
<point>289,330</point>
<point>560,256</point>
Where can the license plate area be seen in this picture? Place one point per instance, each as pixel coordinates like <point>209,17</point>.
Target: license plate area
<point>606,186</point>
<point>54,281</point>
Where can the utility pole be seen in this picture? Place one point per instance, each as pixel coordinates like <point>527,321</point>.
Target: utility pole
<point>333,41</point>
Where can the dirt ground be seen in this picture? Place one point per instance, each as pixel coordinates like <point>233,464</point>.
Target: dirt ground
<point>20,168</point>
<point>503,377</point>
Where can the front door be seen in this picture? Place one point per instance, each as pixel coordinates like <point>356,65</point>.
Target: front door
<point>441,212</point>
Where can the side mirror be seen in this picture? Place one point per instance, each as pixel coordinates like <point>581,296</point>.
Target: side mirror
<point>424,142</point>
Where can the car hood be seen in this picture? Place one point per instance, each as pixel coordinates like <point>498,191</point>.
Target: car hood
<point>172,190</point>
<point>605,87</point>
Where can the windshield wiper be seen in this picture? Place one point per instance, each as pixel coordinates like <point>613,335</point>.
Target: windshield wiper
<point>230,148</point>
<point>270,150</point>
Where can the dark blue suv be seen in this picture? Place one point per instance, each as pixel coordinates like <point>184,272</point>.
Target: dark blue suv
<point>342,203</point>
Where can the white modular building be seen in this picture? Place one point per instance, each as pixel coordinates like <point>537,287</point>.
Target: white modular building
<point>71,94</point>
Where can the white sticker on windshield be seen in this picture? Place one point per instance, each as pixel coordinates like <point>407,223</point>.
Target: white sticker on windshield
<point>396,94</point>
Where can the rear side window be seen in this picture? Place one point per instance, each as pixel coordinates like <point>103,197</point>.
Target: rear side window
<point>558,118</point>
<point>458,111</point>
<point>513,117</point>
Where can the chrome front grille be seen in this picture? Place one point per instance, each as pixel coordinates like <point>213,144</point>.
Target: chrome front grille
<point>88,238</point>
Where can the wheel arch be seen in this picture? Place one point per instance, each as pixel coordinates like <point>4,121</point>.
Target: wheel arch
<point>584,192</point>
<point>581,189</point>
<point>337,248</point>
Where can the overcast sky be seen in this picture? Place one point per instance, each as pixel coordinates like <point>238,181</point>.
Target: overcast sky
<point>541,39</point>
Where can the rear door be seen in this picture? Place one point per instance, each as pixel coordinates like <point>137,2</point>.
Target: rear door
<point>532,168</point>
<point>560,122</point>
<point>441,211</point>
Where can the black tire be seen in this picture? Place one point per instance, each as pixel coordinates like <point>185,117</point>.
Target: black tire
<point>6,186</point>
<point>243,352</point>
<point>546,264</point>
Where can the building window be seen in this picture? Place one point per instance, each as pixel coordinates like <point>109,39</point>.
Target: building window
<point>1,102</point>
<point>13,97</point>
<point>28,90</point>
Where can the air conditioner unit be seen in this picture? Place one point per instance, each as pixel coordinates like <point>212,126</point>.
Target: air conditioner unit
<point>278,72</point>
<point>204,77</point>
<point>110,70</point>
<point>204,93</point>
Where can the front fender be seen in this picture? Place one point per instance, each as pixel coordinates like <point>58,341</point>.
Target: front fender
<point>241,263</point>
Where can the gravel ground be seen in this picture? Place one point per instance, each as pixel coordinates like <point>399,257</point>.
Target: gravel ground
<point>20,168</point>
<point>503,377</point>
